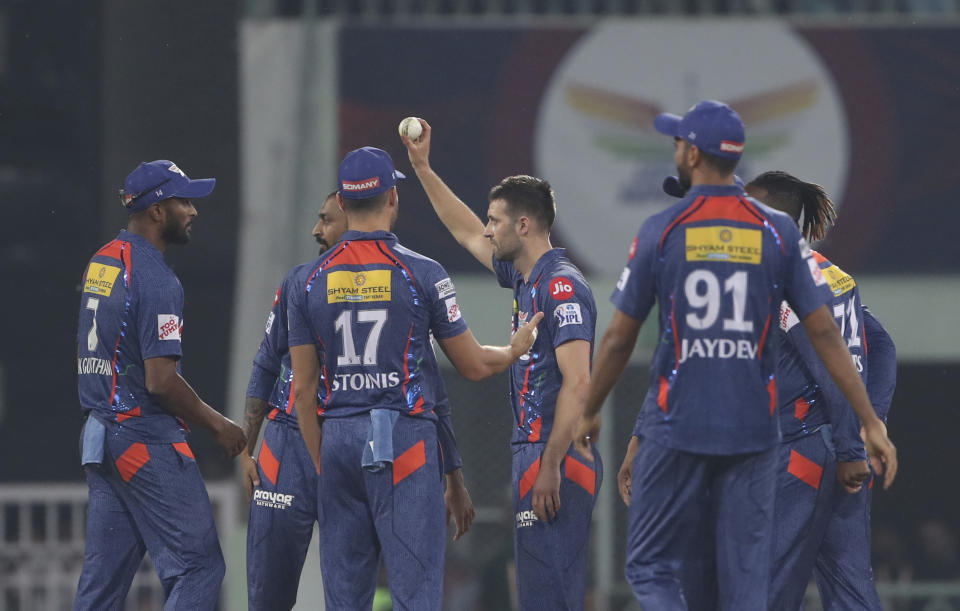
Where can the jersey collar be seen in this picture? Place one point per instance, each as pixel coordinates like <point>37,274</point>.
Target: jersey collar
<point>368,235</point>
<point>545,260</point>
<point>713,191</point>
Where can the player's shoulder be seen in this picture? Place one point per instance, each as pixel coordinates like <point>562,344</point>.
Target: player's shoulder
<point>419,264</point>
<point>781,221</point>
<point>562,277</point>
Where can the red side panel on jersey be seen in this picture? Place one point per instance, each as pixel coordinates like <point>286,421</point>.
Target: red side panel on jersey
<point>800,408</point>
<point>184,448</point>
<point>269,463</point>
<point>772,391</point>
<point>528,478</point>
<point>409,461</point>
<point>580,474</point>
<point>805,469</point>
<point>134,413</point>
<point>132,460</point>
<point>662,394</point>
<point>535,427</point>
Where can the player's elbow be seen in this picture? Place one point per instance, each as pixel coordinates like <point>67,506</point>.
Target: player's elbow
<point>475,372</point>
<point>158,384</point>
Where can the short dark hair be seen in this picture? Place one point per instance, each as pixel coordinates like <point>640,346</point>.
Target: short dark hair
<point>788,193</point>
<point>723,165</point>
<point>366,205</point>
<point>527,195</point>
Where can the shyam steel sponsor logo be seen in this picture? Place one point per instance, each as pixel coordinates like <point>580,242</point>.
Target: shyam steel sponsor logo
<point>594,134</point>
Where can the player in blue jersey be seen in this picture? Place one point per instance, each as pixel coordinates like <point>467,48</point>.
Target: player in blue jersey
<point>818,525</point>
<point>146,493</point>
<point>361,319</point>
<point>548,389</point>
<point>283,489</point>
<point>719,264</point>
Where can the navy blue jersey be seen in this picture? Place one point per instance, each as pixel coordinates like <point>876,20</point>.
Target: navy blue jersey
<point>807,396</point>
<point>556,288</point>
<point>131,309</point>
<point>272,362</point>
<point>882,359</point>
<point>719,263</point>
<point>369,305</point>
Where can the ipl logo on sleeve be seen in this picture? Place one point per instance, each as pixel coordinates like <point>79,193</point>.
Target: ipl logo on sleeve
<point>568,314</point>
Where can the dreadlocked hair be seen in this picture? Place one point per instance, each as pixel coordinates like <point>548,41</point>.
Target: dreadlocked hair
<point>796,197</point>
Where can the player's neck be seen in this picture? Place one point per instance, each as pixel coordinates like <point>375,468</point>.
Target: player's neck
<point>705,176</point>
<point>530,254</point>
<point>150,233</point>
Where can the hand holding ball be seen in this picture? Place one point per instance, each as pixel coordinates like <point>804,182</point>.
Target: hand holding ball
<point>411,128</point>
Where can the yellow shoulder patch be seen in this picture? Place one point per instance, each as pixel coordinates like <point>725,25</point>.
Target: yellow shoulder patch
<point>100,279</point>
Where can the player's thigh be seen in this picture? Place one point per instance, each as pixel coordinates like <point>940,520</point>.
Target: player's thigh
<point>351,549</point>
<point>282,514</point>
<point>666,503</point>
<point>551,558</point>
<point>745,491</point>
<point>162,486</point>
<point>113,549</point>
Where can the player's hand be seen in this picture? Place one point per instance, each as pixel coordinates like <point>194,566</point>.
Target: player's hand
<point>852,475</point>
<point>546,493</point>
<point>522,340</point>
<point>625,474</point>
<point>881,451</point>
<point>250,473</point>
<point>419,150</point>
<point>230,437</point>
<point>458,502</point>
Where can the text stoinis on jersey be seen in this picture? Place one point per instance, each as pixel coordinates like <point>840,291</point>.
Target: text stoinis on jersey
<point>370,285</point>
<point>100,279</point>
<point>726,244</point>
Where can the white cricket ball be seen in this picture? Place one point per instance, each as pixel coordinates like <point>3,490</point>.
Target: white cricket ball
<point>411,128</point>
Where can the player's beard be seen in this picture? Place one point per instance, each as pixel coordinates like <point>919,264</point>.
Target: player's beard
<point>174,233</point>
<point>683,177</point>
<point>324,247</point>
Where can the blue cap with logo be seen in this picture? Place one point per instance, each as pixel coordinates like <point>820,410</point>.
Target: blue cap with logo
<point>366,172</point>
<point>712,126</point>
<point>158,180</point>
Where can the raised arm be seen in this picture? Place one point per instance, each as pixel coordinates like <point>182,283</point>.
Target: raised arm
<point>165,383</point>
<point>476,362</point>
<point>832,350</point>
<point>456,216</point>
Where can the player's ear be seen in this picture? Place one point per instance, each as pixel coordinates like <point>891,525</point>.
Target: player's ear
<point>340,203</point>
<point>156,211</point>
<point>523,225</point>
<point>693,155</point>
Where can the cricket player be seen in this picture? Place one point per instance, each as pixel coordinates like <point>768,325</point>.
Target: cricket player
<point>360,325</point>
<point>146,493</point>
<point>548,389</point>
<point>821,437</point>
<point>719,264</point>
<point>282,484</point>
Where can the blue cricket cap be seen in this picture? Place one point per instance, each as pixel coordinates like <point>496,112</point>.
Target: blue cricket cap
<point>366,172</point>
<point>712,126</point>
<point>158,180</point>
<point>672,187</point>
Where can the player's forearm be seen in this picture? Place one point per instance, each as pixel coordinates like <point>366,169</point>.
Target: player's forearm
<point>178,398</point>
<point>455,215</point>
<point>255,410</point>
<point>833,352</point>
<point>611,360</point>
<point>305,400</point>
<point>570,406</point>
